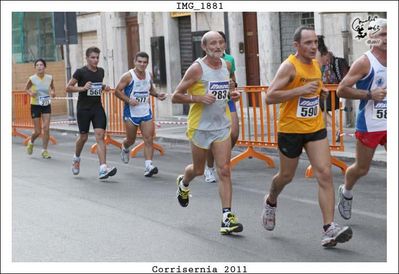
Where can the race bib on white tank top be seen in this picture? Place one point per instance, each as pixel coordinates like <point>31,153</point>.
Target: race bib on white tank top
<point>379,110</point>
<point>141,93</point>
<point>219,89</point>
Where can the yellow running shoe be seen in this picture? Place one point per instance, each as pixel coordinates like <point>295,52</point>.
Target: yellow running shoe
<point>29,148</point>
<point>46,155</point>
<point>182,195</point>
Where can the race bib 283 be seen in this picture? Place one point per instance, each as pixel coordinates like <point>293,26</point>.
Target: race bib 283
<point>219,89</point>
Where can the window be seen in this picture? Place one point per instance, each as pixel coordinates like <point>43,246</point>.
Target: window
<point>307,19</point>
<point>33,37</point>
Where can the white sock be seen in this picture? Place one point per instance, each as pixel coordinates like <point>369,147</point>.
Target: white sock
<point>225,214</point>
<point>103,167</point>
<point>347,193</point>
<point>147,163</point>
<point>182,186</point>
<point>76,158</point>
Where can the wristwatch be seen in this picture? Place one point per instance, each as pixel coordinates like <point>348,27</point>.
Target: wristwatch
<point>368,95</point>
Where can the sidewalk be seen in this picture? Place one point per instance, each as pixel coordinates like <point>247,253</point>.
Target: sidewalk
<point>173,130</point>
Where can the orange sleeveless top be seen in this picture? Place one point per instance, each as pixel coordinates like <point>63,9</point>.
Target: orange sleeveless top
<point>302,114</point>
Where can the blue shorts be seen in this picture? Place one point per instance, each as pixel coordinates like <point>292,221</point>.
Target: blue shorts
<point>232,106</point>
<point>137,120</point>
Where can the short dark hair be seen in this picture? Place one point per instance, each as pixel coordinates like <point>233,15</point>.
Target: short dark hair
<point>92,49</point>
<point>223,35</point>
<point>40,60</point>
<point>298,32</point>
<point>141,54</point>
<point>321,45</point>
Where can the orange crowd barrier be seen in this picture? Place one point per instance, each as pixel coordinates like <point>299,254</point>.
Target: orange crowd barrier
<point>113,108</point>
<point>253,117</point>
<point>258,127</point>
<point>21,116</point>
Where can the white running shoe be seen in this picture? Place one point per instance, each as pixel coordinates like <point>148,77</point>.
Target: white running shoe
<point>125,157</point>
<point>75,166</point>
<point>336,234</point>
<point>344,204</point>
<point>269,217</point>
<point>209,175</point>
<point>105,173</point>
<point>150,170</point>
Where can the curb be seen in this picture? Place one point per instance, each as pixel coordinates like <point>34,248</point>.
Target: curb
<point>349,159</point>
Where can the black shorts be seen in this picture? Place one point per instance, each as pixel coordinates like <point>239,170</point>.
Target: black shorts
<point>37,110</point>
<point>291,144</point>
<point>94,115</point>
<point>329,103</point>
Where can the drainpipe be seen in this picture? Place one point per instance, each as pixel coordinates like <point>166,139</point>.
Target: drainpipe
<point>226,31</point>
<point>349,114</point>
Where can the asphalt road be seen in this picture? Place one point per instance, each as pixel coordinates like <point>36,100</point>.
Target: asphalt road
<point>58,217</point>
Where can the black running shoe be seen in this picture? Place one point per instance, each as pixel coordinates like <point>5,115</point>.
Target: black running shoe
<point>182,195</point>
<point>230,224</point>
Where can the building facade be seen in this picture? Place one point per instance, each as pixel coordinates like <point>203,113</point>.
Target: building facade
<point>259,42</point>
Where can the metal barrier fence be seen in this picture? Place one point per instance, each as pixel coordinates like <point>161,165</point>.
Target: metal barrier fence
<point>258,124</point>
<point>258,127</point>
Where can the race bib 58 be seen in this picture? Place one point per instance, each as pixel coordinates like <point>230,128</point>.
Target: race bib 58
<point>308,107</point>
<point>380,110</point>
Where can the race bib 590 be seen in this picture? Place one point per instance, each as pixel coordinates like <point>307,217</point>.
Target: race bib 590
<point>95,89</point>
<point>308,107</point>
<point>219,89</point>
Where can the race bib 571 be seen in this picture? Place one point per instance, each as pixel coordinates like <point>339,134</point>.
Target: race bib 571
<point>140,96</point>
<point>219,89</point>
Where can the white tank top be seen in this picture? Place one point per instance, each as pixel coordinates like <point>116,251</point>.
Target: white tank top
<point>215,116</point>
<point>41,86</point>
<point>372,114</point>
<point>140,91</point>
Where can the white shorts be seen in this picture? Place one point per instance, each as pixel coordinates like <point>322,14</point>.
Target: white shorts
<point>205,138</point>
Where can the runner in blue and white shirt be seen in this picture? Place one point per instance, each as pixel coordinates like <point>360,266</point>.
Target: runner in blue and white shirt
<point>135,88</point>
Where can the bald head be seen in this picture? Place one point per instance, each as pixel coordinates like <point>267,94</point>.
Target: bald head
<point>210,35</point>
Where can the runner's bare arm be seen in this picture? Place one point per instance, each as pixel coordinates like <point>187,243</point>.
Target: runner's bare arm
<point>192,75</point>
<point>358,70</point>
<point>72,88</point>
<point>123,82</point>
<point>27,88</point>
<point>285,74</point>
<point>52,88</point>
